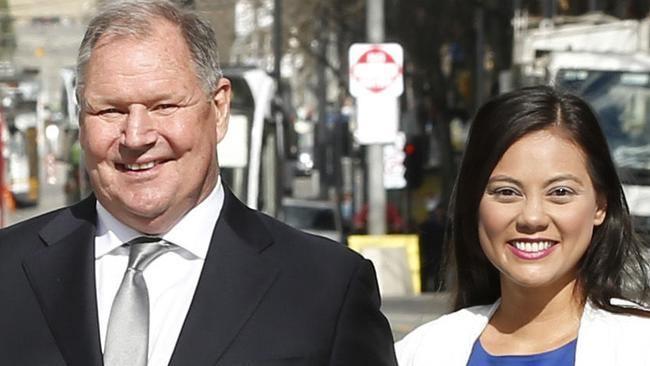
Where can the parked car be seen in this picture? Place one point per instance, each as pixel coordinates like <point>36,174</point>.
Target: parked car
<point>318,217</point>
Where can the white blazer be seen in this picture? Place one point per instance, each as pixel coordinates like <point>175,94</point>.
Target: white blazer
<point>604,339</point>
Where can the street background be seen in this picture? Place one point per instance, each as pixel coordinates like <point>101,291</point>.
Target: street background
<point>349,117</point>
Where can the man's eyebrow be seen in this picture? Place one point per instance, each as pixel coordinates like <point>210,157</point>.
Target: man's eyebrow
<point>118,100</point>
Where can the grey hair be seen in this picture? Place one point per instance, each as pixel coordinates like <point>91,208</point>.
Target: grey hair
<point>135,18</point>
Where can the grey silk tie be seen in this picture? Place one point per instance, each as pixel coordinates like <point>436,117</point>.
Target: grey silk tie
<point>127,337</point>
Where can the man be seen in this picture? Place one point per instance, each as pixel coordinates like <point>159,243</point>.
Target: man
<point>234,287</point>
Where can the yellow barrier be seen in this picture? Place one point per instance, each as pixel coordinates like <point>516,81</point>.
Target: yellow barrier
<point>400,248</point>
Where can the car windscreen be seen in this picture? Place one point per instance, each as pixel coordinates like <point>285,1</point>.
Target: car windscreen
<point>622,103</point>
<point>313,218</point>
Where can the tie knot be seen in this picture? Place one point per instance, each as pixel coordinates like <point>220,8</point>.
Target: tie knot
<point>144,249</point>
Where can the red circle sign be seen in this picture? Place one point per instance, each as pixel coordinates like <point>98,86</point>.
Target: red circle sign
<point>376,70</point>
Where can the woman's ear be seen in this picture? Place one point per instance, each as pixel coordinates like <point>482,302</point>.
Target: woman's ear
<point>601,210</point>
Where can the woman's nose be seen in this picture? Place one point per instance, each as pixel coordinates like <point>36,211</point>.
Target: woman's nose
<point>533,216</point>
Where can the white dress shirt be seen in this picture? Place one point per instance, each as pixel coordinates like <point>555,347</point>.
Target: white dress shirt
<point>171,278</point>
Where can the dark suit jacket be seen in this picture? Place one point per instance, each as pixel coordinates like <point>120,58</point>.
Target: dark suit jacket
<point>268,295</point>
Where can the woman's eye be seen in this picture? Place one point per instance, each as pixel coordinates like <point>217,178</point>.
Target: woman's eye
<point>506,192</point>
<point>562,192</point>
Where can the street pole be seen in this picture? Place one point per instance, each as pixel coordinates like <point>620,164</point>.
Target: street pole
<point>277,44</point>
<point>374,152</point>
<point>278,114</point>
<point>480,54</point>
<point>548,10</point>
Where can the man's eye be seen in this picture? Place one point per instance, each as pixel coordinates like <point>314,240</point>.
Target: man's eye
<point>166,108</point>
<point>109,112</point>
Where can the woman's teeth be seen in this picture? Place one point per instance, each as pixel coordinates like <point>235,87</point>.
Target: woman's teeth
<point>532,247</point>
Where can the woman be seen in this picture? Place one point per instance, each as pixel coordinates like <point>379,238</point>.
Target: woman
<point>548,270</point>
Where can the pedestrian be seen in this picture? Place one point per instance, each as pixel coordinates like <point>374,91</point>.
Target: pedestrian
<point>431,233</point>
<point>209,281</point>
<point>547,268</point>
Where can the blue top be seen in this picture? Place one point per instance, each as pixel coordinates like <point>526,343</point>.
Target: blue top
<point>563,356</point>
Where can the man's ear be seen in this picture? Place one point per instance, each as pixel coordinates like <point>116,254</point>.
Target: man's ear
<point>221,101</point>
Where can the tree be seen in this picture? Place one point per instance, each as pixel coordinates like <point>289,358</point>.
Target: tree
<point>7,37</point>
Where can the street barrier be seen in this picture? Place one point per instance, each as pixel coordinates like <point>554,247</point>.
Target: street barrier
<point>396,259</point>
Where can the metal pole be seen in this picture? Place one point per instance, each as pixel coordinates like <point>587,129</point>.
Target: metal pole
<point>321,96</point>
<point>375,152</point>
<point>277,44</point>
<point>480,54</point>
<point>278,115</point>
<point>548,9</point>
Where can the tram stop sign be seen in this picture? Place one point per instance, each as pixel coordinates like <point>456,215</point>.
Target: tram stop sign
<point>376,69</point>
<point>376,80</point>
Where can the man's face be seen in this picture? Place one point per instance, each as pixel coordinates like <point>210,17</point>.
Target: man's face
<point>149,130</point>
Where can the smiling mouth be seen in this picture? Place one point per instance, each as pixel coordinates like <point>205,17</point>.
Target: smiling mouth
<point>532,249</point>
<point>137,167</point>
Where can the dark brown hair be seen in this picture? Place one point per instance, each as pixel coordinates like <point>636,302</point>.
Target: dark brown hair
<point>613,265</point>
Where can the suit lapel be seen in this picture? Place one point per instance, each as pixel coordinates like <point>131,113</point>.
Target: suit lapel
<point>62,276</point>
<point>233,282</point>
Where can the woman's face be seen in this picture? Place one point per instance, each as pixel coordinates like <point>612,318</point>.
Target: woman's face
<point>538,211</point>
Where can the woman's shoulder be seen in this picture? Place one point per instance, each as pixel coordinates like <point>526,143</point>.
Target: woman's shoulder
<point>459,317</point>
<point>636,319</point>
<point>457,329</point>
<point>609,338</point>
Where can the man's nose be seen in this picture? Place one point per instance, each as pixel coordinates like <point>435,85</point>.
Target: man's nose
<point>533,216</point>
<point>139,129</point>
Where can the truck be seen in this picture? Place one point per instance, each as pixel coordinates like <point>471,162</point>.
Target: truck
<point>606,61</point>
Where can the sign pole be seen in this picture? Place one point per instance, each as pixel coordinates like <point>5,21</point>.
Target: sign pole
<point>374,152</point>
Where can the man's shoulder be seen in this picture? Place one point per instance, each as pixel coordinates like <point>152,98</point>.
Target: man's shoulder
<point>30,226</point>
<point>295,243</point>
<point>24,234</point>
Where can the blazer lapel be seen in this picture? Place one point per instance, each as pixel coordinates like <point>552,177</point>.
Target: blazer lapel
<point>233,282</point>
<point>62,276</point>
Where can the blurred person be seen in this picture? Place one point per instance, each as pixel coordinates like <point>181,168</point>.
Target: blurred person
<point>548,270</point>
<point>209,281</point>
<point>393,219</point>
<point>431,233</point>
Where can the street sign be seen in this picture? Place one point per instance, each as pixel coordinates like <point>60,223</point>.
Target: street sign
<point>394,163</point>
<point>376,69</point>
<point>377,119</point>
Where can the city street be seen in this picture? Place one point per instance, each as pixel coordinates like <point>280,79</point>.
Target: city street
<point>407,313</point>
<point>404,313</point>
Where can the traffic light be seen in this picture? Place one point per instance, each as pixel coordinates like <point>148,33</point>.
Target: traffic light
<point>414,162</point>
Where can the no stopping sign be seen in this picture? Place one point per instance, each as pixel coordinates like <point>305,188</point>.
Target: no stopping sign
<point>376,69</point>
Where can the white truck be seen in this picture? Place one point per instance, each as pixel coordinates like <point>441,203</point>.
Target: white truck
<point>607,62</point>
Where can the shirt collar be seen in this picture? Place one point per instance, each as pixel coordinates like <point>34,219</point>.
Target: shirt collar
<point>193,232</point>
